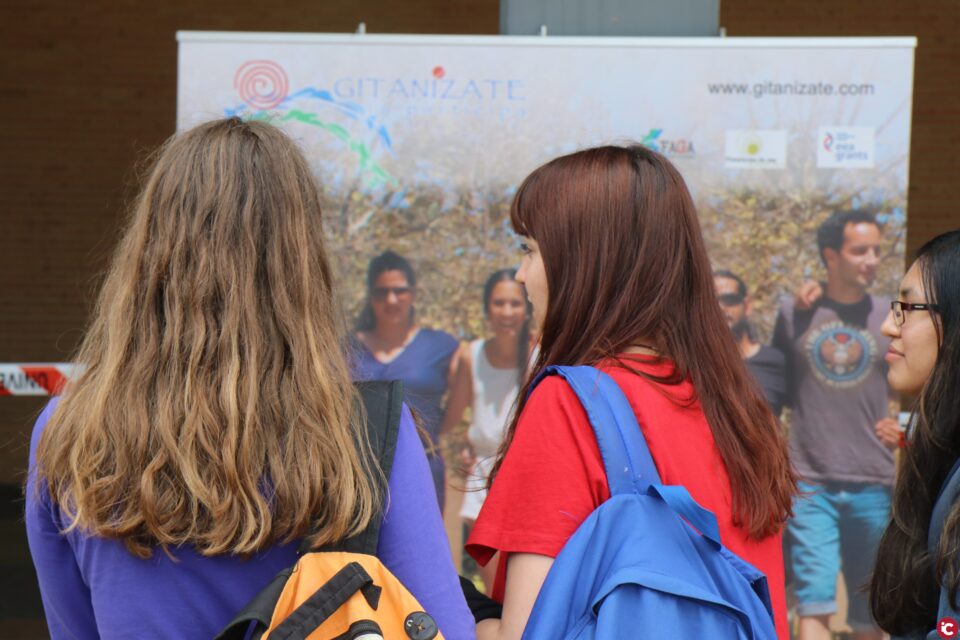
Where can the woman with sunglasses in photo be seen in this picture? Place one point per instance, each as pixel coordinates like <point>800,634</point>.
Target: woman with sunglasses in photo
<point>392,346</point>
<point>914,590</point>
<point>489,374</point>
<point>617,271</point>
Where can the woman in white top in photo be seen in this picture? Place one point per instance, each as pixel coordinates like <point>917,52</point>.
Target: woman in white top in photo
<point>489,372</point>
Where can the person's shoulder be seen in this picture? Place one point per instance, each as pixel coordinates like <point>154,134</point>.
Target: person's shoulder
<point>768,355</point>
<point>357,344</point>
<point>439,337</point>
<point>37,497</point>
<point>41,424</point>
<point>553,401</point>
<point>553,421</point>
<point>550,388</point>
<point>465,350</point>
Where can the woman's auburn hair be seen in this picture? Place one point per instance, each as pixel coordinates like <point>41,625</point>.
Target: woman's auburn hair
<point>906,580</point>
<point>216,407</point>
<point>625,261</point>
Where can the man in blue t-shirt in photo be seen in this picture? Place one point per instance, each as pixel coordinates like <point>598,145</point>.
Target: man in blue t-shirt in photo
<point>765,363</point>
<point>842,437</point>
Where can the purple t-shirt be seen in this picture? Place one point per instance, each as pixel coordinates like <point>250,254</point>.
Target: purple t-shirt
<point>92,587</point>
<point>423,367</point>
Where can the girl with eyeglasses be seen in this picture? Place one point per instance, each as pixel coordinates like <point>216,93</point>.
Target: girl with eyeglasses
<point>616,269</point>
<point>914,590</point>
<point>392,346</point>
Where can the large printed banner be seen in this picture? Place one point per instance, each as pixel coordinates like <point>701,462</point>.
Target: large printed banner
<point>420,141</point>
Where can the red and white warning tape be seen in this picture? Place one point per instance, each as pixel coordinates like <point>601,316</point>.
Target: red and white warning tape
<point>34,379</point>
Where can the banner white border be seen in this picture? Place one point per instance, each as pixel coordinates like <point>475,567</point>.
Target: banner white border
<point>895,42</point>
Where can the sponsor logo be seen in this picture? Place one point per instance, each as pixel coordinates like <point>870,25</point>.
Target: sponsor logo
<point>756,149</point>
<point>840,355</point>
<point>670,147</point>
<point>845,147</point>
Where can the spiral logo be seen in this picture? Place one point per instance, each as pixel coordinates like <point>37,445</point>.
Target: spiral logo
<point>262,84</point>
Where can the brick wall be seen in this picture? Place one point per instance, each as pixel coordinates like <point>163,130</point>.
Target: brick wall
<point>934,157</point>
<point>88,87</point>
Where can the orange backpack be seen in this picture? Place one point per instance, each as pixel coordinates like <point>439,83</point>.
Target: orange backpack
<point>342,591</point>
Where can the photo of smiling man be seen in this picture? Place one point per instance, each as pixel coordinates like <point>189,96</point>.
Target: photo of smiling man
<point>841,436</point>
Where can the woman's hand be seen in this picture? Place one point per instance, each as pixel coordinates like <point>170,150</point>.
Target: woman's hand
<point>888,432</point>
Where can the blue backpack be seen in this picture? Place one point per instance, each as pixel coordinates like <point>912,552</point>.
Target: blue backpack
<point>648,562</point>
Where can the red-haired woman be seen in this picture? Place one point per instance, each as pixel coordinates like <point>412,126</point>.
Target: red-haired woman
<point>616,269</point>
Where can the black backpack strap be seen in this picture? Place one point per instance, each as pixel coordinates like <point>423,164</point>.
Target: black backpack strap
<point>259,609</point>
<point>382,402</point>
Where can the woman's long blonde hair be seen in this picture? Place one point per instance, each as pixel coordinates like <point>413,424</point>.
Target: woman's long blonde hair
<point>216,408</point>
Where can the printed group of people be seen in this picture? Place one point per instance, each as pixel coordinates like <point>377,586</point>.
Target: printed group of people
<point>214,427</point>
<point>483,375</point>
<point>826,364</point>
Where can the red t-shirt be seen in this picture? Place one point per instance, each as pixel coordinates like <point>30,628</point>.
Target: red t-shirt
<point>553,477</point>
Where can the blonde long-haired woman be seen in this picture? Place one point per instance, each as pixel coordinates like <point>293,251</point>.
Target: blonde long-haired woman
<point>213,428</point>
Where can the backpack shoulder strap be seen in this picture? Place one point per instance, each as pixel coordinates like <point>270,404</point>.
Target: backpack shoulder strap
<point>382,402</point>
<point>626,456</point>
<point>949,491</point>
<point>251,622</point>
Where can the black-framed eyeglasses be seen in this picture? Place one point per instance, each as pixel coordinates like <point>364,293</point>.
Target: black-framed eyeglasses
<point>899,307</point>
<point>730,299</point>
<point>381,293</point>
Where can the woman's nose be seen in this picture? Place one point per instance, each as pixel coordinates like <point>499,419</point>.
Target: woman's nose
<point>889,327</point>
<point>521,276</point>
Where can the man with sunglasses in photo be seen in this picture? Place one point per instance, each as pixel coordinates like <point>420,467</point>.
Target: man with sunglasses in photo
<point>765,363</point>
<point>842,437</point>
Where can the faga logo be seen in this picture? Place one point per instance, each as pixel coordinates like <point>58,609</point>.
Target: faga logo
<point>671,147</point>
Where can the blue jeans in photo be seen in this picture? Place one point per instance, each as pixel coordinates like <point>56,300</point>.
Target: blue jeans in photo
<point>836,525</point>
